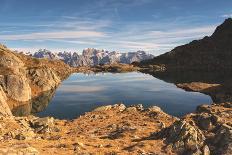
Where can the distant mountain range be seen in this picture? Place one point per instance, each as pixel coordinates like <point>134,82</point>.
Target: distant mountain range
<point>93,57</point>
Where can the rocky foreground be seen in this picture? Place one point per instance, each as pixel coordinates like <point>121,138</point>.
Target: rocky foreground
<point>118,129</point>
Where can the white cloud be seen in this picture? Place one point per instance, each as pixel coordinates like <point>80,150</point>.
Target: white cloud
<point>53,35</point>
<point>75,33</point>
<point>191,32</point>
<point>32,49</point>
<point>156,41</point>
<point>227,15</point>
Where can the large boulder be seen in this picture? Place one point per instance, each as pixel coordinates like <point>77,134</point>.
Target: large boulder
<point>9,60</point>
<point>43,125</point>
<point>45,78</point>
<point>223,140</point>
<point>185,138</point>
<point>4,108</point>
<point>119,107</point>
<point>16,87</point>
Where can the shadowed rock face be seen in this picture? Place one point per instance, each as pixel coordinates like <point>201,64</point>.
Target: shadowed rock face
<point>215,84</point>
<point>209,53</point>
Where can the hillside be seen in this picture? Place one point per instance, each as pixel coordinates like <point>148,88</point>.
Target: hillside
<point>23,78</point>
<point>209,53</point>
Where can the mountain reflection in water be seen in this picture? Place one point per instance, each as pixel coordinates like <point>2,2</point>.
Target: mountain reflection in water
<point>81,93</point>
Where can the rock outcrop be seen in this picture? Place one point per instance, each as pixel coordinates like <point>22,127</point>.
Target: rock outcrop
<point>9,60</point>
<point>22,78</point>
<point>44,77</point>
<point>4,108</point>
<point>16,87</point>
<point>184,138</point>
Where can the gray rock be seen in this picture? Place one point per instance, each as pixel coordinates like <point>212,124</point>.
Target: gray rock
<point>44,77</point>
<point>43,125</point>
<point>155,109</point>
<point>206,150</point>
<point>223,140</point>
<point>119,107</point>
<point>185,137</point>
<point>4,108</point>
<point>138,107</point>
<point>16,87</point>
<point>204,122</point>
<point>25,135</point>
<point>9,60</point>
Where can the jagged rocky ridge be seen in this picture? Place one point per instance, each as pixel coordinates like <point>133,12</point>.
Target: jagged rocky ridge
<point>209,53</point>
<point>93,57</point>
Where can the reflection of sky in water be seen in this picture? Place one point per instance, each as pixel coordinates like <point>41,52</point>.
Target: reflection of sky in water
<point>81,93</point>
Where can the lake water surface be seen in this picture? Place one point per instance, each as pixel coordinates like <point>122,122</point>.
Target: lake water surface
<point>81,93</point>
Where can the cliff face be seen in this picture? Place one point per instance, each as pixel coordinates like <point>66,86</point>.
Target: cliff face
<point>23,78</point>
<point>209,53</point>
<point>4,108</point>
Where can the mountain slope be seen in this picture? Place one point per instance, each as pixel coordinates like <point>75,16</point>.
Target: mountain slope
<point>209,53</point>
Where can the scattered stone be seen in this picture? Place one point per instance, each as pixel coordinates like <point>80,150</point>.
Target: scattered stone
<point>227,104</point>
<point>203,108</point>
<point>4,108</point>
<point>119,107</point>
<point>206,150</point>
<point>138,107</point>
<point>204,122</point>
<point>223,139</point>
<point>103,108</point>
<point>162,125</point>
<point>25,135</point>
<point>131,109</point>
<point>155,109</point>
<point>24,149</point>
<point>43,125</point>
<point>185,137</point>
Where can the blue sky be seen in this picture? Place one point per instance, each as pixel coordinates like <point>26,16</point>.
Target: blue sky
<point>156,26</point>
